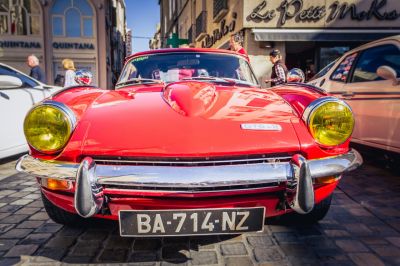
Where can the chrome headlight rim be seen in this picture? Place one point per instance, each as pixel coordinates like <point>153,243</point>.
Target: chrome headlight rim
<point>69,115</point>
<point>313,107</point>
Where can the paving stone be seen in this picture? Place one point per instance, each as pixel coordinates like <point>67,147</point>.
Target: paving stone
<point>203,257</point>
<point>16,233</point>
<point>319,242</point>
<point>113,255</point>
<point>6,192</point>
<point>21,202</point>
<point>10,208</point>
<point>5,227</point>
<point>70,231</point>
<point>260,241</point>
<point>336,233</point>
<point>9,261</point>
<point>238,261</point>
<point>85,248</point>
<point>35,239</point>
<point>19,250</point>
<point>7,200</point>
<point>52,253</point>
<point>365,259</point>
<point>6,244</point>
<point>386,250</point>
<point>77,259</point>
<point>30,189</point>
<point>373,240</point>
<point>286,237</point>
<point>147,244</point>
<point>231,238</point>
<point>233,249</point>
<point>269,254</point>
<point>203,242</point>
<point>331,255</point>
<point>30,224</point>
<point>20,194</point>
<point>177,253</point>
<point>27,210</point>
<point>39,216</point>
<point>117,242</point>
<point>4,215</point>
<point>35,204</point>
<point>97,235</point>
<point>351,245</point>
<point>297,250</point>
<point>394,240</point>
<point>32,196</point>
<point>358,229</point>
<point>14,219</point>
<point>49,228</point>
<point>61,242</point>
<point>146,256</point>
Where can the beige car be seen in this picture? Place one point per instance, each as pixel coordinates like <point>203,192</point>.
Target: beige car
<point>368,78</point>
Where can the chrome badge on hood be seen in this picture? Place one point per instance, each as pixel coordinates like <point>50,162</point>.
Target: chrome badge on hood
<point>267,127</point>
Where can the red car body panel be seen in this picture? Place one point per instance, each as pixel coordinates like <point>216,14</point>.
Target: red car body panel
<point>188,119</point>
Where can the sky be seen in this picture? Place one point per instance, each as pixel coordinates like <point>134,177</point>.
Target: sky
<point>142,17</point>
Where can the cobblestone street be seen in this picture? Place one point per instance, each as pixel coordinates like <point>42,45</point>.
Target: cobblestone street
<point>361,228</point>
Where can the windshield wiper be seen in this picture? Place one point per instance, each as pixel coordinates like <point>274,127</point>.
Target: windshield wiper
<point>231,81</point>
<point>211,78</point>
<point>138,81</point>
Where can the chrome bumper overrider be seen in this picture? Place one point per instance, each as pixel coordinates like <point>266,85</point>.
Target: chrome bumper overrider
<point>90,177</point>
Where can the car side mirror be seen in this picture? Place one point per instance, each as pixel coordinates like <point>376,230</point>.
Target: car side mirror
<point>386,72</point>
<point>9,82</point>
<point>295,75</point>
<point>83,77</point>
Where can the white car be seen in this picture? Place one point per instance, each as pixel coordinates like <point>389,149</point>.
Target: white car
<point>18,93</point>
<point>368,79</point>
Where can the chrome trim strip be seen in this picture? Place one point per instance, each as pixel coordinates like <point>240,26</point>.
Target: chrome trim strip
<point>199,176</point>
<point>188,163</point>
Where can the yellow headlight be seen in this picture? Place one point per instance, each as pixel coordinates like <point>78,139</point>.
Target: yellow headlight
<point>48,127</point>
<point>331,122</point>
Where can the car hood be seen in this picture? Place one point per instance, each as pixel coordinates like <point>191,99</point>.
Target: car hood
<point>188,119</point>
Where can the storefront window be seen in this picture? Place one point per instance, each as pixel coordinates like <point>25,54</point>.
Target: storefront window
<point>72,18</point>
<point>20,17</point>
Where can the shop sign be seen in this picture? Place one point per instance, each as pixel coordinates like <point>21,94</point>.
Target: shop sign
<point>331,11</point>
<point>220,32</point>
<point>20,44</point>
<point>78,46</point>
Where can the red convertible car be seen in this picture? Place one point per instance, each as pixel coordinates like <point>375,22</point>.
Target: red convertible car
<point>188,144</point>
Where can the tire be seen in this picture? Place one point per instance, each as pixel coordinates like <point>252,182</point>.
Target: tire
<point>318,212</point>
<point>61,216</point>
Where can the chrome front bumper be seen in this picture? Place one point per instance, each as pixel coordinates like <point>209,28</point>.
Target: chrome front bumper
<point>90,177</point>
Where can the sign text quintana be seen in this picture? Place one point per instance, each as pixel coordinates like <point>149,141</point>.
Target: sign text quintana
<point>18,44</point>
<point>67,45</point>
<point>289,9</point>
<point>222,31</point>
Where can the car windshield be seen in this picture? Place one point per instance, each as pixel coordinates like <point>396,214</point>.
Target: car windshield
<point>323,71</point>
<point>171,67</point>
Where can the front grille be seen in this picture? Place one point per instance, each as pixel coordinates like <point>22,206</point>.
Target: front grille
<point>195,189</point>
<point>193,161</point>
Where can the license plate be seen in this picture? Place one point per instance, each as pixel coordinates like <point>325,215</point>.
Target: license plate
<point>191,222</point>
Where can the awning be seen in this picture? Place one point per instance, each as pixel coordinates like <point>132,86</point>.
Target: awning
<point>322,34</point>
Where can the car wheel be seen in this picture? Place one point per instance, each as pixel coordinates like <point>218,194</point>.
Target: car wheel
<point>61,216</point>
<point>318,212</point>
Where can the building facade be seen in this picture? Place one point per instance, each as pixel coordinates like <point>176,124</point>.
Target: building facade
<point>90,32</point>
<point>309,34</point>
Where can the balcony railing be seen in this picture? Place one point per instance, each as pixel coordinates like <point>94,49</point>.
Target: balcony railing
<point>220,8</point>
<point>201,26</point>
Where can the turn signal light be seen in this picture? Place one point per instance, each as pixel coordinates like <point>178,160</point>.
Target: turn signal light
<point>55,184</point>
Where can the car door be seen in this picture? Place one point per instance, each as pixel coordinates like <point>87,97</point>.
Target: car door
<point>14,104</point>
<point>375,101</point>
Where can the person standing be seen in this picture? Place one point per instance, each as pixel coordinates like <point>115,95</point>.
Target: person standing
<point>36,71</point>
<point>236,44</point>
<point>279,70</point>
<point>69,79</point>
